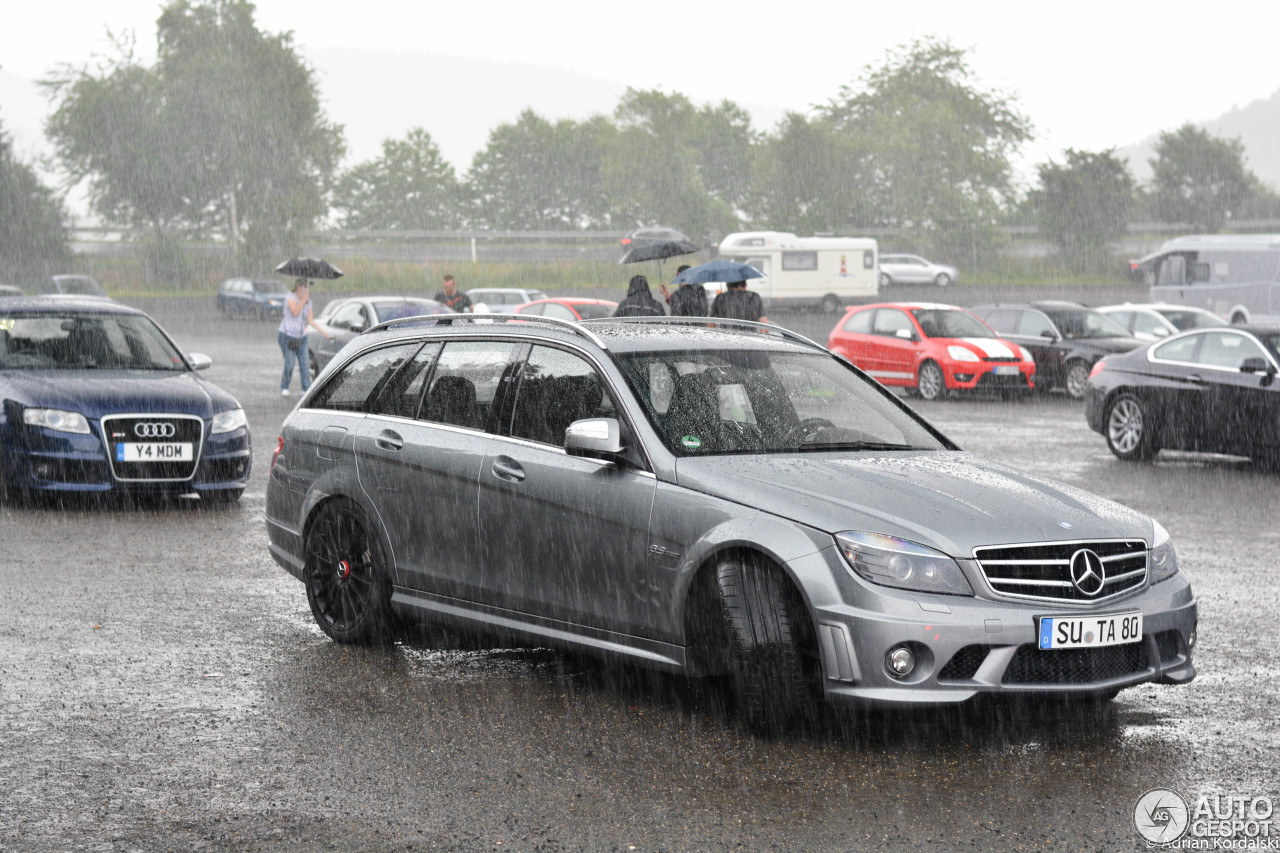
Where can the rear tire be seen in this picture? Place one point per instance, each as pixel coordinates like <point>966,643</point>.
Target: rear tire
<point>830,303</point>
<point>885,280</point>
<point>1129,431</point>
<point>931,384</point>
<point>348,587</point>
<point>313,365</point>
<point>1238,319</point>
<point>1077,379</point>
<point>768,633</point>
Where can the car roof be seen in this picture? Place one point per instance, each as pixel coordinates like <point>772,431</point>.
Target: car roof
<point>574,300</point>
<point>83,304</point>
<point>909,306</point>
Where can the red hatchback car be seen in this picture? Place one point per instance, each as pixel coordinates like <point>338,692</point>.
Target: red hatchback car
<point>570,308</point>
<point>931,349</point>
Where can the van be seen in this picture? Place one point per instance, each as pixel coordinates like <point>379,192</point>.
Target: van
<point>1236,276</point>
<point>828,271</point>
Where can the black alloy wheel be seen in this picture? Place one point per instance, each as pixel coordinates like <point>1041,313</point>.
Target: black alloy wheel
<point>772,654</point>
<point>1129,431</point>
<point>347,584</point>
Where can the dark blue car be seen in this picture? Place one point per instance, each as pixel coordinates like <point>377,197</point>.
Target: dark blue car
<point>96,398</point>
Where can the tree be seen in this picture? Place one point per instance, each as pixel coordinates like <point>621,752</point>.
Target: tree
<point>225,131</point>
<point>804,178</point>
<point>1084,204</point>
<point>33,240</point>
<point>938,146</point>
<point>1199,178</point>
<point>541,176</point>
<point>409,187</point>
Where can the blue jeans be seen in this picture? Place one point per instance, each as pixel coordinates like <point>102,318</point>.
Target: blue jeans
<point>304,364</point>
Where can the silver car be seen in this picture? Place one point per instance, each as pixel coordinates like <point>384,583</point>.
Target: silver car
<point>1154,321</point>
<point>343,319</point>
<point>913,269</point>
<point>727,500</point>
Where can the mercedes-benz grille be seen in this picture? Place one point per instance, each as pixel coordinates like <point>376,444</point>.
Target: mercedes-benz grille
<point>1074,572</point>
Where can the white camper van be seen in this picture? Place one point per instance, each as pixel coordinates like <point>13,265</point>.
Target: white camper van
<point>1236,276</point>
<point>830,271</point>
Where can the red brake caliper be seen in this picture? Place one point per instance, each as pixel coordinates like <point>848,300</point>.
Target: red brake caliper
<point>344,569</point>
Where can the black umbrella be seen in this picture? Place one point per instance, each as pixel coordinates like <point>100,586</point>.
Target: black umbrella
<point>308,268</point>
<point>658,251</point>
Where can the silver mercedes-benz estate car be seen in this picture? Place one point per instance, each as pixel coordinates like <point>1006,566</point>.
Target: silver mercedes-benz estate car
<point>725,500</point>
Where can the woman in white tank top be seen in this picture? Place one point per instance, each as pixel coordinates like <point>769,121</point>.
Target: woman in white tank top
<point>292,335</point>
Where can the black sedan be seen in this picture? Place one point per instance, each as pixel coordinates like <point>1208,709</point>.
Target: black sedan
<point>96,399</point>
<point>1209,390</point>
<point>1066,339</point>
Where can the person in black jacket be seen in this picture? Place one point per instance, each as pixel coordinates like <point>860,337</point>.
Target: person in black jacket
<point>639,301</point>
<point>738,303</point>
<point>690,300</point>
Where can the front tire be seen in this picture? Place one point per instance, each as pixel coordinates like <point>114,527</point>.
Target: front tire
<point>1077,379</point>
<point>942,280</point>
<point>769,638</point>
<point>930,382</point>
<point>348,587</point>
<point>1129,431</point>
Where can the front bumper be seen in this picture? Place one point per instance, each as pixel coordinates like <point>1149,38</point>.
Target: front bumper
<point>981,376</point>
<point>967,646</point>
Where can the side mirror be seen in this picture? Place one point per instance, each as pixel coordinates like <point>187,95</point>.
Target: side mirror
<point>1256,365</point>
<point>1047,333</point>
<point>906,334</point>
<point>1161,332</point>
<point>596,438</point>
<point>200,361</point>
<point>357,327</point>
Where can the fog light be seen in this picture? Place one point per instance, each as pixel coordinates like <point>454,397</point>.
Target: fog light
<point>1191,639</point>
<point>900,661</point>
<point>963,377</point>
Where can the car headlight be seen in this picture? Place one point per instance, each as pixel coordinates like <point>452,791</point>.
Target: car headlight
<point>227,421</point>
<point>962,353</point>
<point>56,419</point>
<point>890,561</point>
<point>1026,354</point>
<point>1164,560</point>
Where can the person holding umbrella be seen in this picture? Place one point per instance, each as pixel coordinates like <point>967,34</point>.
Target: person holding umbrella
<point>639,301</point>
<point>292,335</point>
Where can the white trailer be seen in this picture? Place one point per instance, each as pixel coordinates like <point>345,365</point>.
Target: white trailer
<point>830,271</point>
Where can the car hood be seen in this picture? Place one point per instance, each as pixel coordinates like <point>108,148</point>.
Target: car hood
<point>95,393</point>
<point>948,500</point>
<point>985,347</point>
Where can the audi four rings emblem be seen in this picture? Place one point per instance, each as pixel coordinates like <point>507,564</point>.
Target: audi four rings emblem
<point>154,429</point>
<point>1087,572</point>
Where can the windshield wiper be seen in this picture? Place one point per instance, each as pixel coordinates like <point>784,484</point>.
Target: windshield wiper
<point>855,445</point>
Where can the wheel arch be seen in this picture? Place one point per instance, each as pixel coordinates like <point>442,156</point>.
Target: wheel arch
<point>319,499</point>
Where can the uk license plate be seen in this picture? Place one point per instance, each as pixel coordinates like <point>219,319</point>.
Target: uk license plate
<point>1080,632</point>
<point>154,451</point>
<point>1005,370</point>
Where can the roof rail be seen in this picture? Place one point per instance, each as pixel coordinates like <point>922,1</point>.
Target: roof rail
<point>454,319</point>
<point>714,322</point>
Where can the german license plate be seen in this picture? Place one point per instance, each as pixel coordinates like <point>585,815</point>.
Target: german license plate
<point>154,451</point>
<point>1082,632</point>
<point>1005,370</point>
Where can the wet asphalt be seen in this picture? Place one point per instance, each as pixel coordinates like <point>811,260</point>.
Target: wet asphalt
<point>163,687</point>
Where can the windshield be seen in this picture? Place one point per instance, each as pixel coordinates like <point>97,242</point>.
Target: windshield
<point>589,311</point>
<point>81,341</point>
<point>1184,320</point>
<point>950,323</point>
<point>1083,323</point>
<point>396,310</point>
<point>734,401</point>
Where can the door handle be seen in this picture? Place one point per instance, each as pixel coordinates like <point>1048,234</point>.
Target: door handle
<point>1195,377</point>
<point>389,440</point>
<point>506,468</point>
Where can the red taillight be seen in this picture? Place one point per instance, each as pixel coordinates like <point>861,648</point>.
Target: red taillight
<point>276,455</point>
<point>626,241</point>
<point>1097,368</point>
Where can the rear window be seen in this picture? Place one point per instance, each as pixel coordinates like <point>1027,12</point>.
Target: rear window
<point>357,385</point>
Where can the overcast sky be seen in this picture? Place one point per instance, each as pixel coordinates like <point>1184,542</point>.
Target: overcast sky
<point>1089,75</point>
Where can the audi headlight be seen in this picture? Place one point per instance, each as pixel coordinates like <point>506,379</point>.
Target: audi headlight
<point>962,353</point>
<point>1164,560</point>
<point>890,561</point>
<point>56,419</point>
<point>227,421</point>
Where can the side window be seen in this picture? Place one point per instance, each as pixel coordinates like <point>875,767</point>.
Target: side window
<point>1125,318</point>
<point>531,309</point>
<point>1148,325</point>
<point>890,321</point>
<point>347,315</point>
<point>1226,349</point>
<point>357,385</point>
<point>860,323</point>
<point>558,311</point>
<point>800,261</point>
<point>400,396</point>
<point>1182,349</point>
<point>556,389</point>
<point>1034,324</point>
<point>1003,321</point>
<point>465,383</point>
